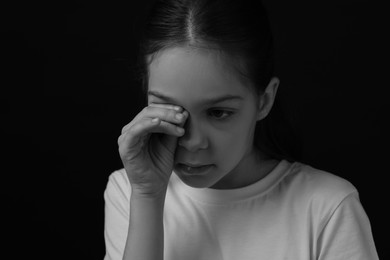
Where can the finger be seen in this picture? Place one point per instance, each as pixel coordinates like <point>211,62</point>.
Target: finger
<point>132,134</point>
<point>170,129</point>
<point>164,112</point>
<point>168,106</point>
<point>186,115</point>
<point>169,141</point>
<point>149,126</point>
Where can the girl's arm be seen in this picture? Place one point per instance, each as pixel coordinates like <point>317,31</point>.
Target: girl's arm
<point>147,147</point>
<point>145,240</point>
<point>133,224</point>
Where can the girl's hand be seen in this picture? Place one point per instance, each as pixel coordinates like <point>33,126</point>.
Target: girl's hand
<point>147,146</point>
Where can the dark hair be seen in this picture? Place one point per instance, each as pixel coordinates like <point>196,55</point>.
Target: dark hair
<point>239,29</point>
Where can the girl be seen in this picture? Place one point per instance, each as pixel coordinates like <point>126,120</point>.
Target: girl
<point>201,179</point>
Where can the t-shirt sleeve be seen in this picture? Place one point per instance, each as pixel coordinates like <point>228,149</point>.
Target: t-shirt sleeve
<point>116,222</point>
<point>347,235</point>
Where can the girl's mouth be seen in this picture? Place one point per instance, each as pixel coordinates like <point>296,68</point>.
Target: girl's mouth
<point>195,170</point>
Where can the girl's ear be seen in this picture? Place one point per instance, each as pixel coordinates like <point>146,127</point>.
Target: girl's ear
<point>266,100</point>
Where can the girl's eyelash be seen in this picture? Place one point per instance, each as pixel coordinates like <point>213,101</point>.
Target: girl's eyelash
<point>228,113</point>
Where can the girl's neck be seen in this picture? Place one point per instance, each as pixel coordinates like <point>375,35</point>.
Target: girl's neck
<point>252,168</point>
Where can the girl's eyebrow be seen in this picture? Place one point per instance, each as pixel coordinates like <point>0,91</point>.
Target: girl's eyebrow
<point>207,101</point>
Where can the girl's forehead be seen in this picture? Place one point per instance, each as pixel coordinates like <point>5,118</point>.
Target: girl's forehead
<point>193,73</point>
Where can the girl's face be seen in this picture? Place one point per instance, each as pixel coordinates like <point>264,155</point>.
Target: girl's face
<point>222,116</point>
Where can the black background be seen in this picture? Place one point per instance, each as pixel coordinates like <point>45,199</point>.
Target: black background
<point>67,92</point>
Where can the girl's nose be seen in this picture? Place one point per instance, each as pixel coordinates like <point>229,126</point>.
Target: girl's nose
<point>194,138</point>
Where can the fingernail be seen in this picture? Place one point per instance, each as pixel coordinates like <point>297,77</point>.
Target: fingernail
<point>177,108</point>
<point>179,116</point>
<point>180,130</point>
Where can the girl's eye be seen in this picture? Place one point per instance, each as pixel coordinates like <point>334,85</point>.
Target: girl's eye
<point>220,114</point>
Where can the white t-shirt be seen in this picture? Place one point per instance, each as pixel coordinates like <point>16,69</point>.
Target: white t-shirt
<point>296,212</point>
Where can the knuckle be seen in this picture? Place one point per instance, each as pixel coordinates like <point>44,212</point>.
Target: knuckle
<point>169,128</point>
<point>146,109</point>
<point>132,130</point>
<point>124,128</point>
<point>171,114</point>
<point>136,128</point>
<point>122,151</point>
<point>119,140</point>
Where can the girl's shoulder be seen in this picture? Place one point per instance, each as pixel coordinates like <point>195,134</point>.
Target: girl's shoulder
<point>316,184</point>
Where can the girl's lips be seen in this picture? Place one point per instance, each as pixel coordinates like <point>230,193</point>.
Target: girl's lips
<point>194,170</point>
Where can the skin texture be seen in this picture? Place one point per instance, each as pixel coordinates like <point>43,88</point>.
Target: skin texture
<point>217,133</point>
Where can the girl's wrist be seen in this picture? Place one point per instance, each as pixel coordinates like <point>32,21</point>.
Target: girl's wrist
<point>148,195</point>
<point>142,202</point>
